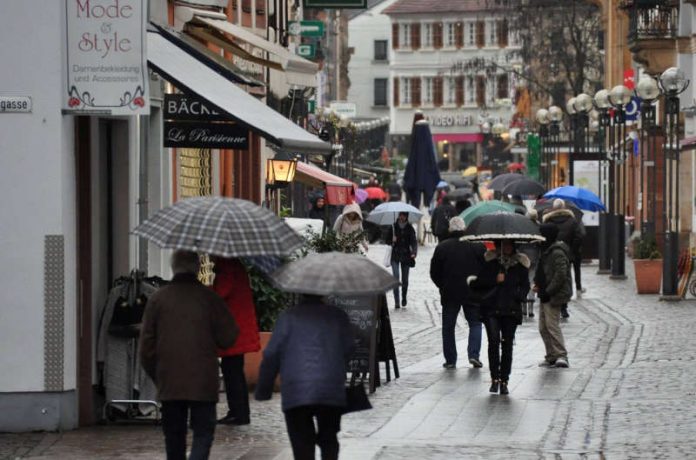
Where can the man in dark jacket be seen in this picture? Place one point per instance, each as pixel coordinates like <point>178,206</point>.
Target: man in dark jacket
<point>571,232</point>
<point>310,347</point>
<point>552,285</point>
<point>453,262</point>
<point>184,325</point>
<point>439,222</point>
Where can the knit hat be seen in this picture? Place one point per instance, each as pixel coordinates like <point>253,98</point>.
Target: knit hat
<point>456,224</point>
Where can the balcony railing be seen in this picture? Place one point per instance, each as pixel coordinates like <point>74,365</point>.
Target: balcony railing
<point>651,19</point>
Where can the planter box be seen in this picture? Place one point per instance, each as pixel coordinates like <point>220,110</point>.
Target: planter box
<point>648,275</point>
<point>252,362</point>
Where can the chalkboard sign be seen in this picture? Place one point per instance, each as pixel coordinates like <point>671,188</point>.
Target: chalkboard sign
<point>364,316</point>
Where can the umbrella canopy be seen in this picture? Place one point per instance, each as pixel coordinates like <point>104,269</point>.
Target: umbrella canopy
<point>502,226</point>
<point>545,205</point>
<point>226,227</point>
<point>333,273</point>
<point>360,196</point>
<point>524,186</point>
<point>442,184</point>
<point>462,183</point>
<point>515,167</point>
<point>422,175</point>
<point>470,171</point>
<point>582,197</point>
<point>499,182</point>
<point>375,193</point>
<point>485,207</point>
<point>460,194</point>
<point>386,213</point>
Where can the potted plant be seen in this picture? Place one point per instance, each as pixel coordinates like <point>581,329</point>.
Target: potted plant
<point>647,262</point>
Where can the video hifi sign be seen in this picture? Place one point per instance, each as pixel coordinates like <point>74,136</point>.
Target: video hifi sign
<point>192,123</point>
<point>334,3</point>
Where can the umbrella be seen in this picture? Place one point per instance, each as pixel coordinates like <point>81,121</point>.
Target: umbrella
<point>386,213</point>
<point>226,227</point>
<point>422,175</point>
<point>470,171</point>
<point>582,197</point>
<point>442,184</point>
<point>375,193</point>
<point>545,205</point>
<point>333,273</point>
<point>499,182</point>
<point>485,207</point>
<point>460,194</point>
<point>462,183</point>
<point>524,186</point>
<point>503,226</point>
<point>515,167</point>
<point>360,196</point>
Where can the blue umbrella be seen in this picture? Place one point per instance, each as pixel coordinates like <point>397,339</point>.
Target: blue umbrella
<point>583,198</point>
<point>421,176</point>
<point>386,213</point>
<point>442,184</point>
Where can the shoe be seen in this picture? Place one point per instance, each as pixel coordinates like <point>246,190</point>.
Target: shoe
<point>449,365</point>
<point>583,290</point>
<point>475,362</point>
<point>564,312</point>
<point>397,307</point>
<point>403,302</point>
<point>504,387</point>
<point>231,420</point>
<point>578,294</point>
<point>546,363</point>
<point>531,315</point>
<point>494,386</point>
<point>561,362</point>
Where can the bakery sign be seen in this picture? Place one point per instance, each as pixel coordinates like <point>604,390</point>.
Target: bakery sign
<point>106,62</point>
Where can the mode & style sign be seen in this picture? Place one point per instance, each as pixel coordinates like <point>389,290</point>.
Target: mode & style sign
<point>106,69</point>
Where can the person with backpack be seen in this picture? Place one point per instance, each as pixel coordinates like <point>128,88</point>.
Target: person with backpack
<point>439,222</point>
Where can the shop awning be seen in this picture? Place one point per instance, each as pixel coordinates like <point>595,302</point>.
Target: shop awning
<point>339,191</point>
<point>190,74</point>
<point>458,138</point>
<point>214,28</point>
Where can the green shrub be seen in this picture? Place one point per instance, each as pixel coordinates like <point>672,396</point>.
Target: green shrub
<point>645,247</point>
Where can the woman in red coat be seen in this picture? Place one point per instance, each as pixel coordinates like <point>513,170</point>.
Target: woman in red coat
<point>232,284</point>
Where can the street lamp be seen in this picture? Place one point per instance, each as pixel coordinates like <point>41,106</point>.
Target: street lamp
<point>280,171</point>
<point>579,108</point>
<point>555,115</point>
<point>542,117</point>
<point>673,83</point>
<point>648,91</point>
<point>602,104</point>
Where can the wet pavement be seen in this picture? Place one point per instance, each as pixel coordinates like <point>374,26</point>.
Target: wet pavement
<point>629,392</point>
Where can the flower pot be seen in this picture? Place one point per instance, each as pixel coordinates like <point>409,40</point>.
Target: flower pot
<point>252,363</point>
<point>648,275</point>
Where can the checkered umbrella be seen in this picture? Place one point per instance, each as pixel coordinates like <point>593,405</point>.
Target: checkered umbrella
<point>334,273</point>
<point>226,227</point>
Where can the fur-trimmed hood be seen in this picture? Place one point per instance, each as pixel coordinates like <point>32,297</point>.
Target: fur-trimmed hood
<point>516,258</point>
<point>556,213</point>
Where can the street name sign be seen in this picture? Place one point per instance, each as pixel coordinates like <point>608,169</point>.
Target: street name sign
<point>334,3</point>
<point>307,50</point>
<point>15,104</point>
<point>306,28</point>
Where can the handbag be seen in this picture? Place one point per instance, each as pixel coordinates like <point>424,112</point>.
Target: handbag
<point>387,257</point>
<point>356,399</point>
<point>411,262</point>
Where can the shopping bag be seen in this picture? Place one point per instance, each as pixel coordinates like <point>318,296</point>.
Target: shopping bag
<point>387,257</point>
<point>356,399</point>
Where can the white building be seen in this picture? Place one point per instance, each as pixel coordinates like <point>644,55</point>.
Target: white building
<point>451,59</point>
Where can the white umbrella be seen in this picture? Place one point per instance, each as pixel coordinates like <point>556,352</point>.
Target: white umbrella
<point>386,213</point>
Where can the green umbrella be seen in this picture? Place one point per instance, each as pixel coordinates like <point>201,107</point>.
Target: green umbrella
<point>485,207</point>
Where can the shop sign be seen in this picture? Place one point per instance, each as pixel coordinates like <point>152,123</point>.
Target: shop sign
<point>191,108</point>
<point>15,104</point>
<point>106,62</point>
<point>349,109</point>
<point>334,3</point>
<point>190,134</point>
<point>307,50</point>
<point>450,120</point>
<point>306,28</point>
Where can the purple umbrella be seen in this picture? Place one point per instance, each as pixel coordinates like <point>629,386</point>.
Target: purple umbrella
<point>360,196</point>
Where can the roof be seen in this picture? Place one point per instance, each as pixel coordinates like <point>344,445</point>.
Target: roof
<point>437,6</point>
<point>352,13</point>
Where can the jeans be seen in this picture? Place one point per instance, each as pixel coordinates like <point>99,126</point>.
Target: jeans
<point>404,280</point>
<point>175,416</point>
<point>500,331</point>
<point>235,386</point>
<point>304,435</point>
<point>550,330</point>
<point>450,311</point>
<point>577,260</point>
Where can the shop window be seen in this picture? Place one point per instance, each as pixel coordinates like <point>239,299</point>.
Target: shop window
<point>380,95</point>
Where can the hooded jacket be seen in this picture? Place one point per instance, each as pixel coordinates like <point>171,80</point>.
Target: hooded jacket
<point>553,274</point>
<point>569,230</point>
<point>503,299</point>
<point>344,226</point>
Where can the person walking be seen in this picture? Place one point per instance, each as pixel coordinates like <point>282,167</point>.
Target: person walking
<point>350,221</point>
<point>404,250</point>
<point>531,250</point>
<point>570,232</point>
<point>552,285</point>
<point>439,221</point>
<point>452,262</point>
<point>504,284</point>
<point>318,209</point>
<point>232,284</point>
<point>184,325</point>
<point>310,348</point>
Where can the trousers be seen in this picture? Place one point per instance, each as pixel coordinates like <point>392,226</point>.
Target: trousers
<point>236,388</point>
<point>550,330</point>
<point>450,311</point>
<point>500,331</point>
<point>304,435</point>
<point>175,415</point>
<point>404,269</point>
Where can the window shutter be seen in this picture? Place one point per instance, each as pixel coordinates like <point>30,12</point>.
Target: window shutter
<point>459,35</point>
<point>415,91</point>
<point>480,34</point>
<point>480,90</point>
<point>437,91</point>
<point>415,36</point>
<point>437,35</point>
<point>395,36</point>
<point>503,33</point>
<point>502,86</point>
<point>459,90</point>
<point>395,86</point>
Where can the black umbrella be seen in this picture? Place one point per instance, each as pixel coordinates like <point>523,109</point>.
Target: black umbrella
<point>499,182</point>
<point>544,206</point>
<point>502,226</point>
<point>460,194</point>
<point>461,183</point>
<point>524,186</point>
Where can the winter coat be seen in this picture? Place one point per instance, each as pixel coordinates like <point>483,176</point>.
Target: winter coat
<point>439,222</point>
<point>317,213</point>
<point>183,326</point>
<point>232,284</point>
<point>406,244</point>
<point>553,274</point>
<point>343,226</point>
<point>310,348</point>
<point>569,230</point>
<point>503,299</point>
<point>452,263</point>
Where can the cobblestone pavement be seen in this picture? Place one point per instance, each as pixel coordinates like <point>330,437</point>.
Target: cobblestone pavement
<point>629,393</point>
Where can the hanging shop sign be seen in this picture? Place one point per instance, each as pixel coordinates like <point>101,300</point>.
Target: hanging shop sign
<point>306,28</point>
<point>191,134</point>
<point>334,4</point>
<point>106,62</point>
<point>191,108</point>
